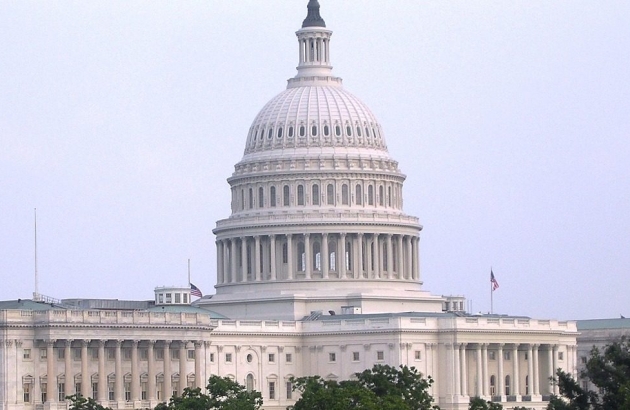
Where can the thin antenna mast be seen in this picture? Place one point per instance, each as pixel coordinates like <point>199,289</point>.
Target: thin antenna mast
<point>188,271</point>
<point>36,293</point>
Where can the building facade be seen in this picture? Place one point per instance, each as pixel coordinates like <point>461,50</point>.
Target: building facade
<point>318,272</point>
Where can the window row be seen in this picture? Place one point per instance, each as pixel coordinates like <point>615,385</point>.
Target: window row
<point>287,195</point>
<point>302,130</point>
<point>110,354</point>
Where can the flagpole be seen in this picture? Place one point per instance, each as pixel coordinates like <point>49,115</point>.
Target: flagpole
<point>36,293</point>
<point>188,272</point>
<point>491,292</point>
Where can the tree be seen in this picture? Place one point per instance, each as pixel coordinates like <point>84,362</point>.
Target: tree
<point>477,403</point>
<point>78,402</point>
<point>609,371</point>
<point>379,388</point>
<point>223,394</point>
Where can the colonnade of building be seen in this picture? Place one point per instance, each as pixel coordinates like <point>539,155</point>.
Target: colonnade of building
<point>125,371</point>
<point>505,377</point>
<point>315,256</point>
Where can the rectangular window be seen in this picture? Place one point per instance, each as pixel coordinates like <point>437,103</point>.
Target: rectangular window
<point>61,354</point>
<point>43,353</point>
<point>418,355</point>
<point>94,353</point>
<point>332,357</point>
<point>583,359</point>
<point>355,356</point>
<point>144,354</point>
<point>61,390</point>
<point>159,354</point>
<point>178,298</point>
<point>94,390</point>
<point>507,355</point>
<point>289,358</point>
<point>44,390</point>
<point>143,388</point>
<point>272,390</point>
<point>127,354</point>
<point>26,354</point>
<point>560,355</point>
<point>110,392</point>
<point>289,391</point>
<point>127,391</point>
<point>27,392</point>
<point>111,354</point>
<point>168,298</point>
<point>76,354</point>
<point>228,357</point>
<point>272,358</point>
<point>380,355</point>
<point>185,297</point>
<point>174,354</point>
<point>526,356</point>
<point>212,357</point>
<point>492,355</point>
<point>191,354</point>
<point>77,388</point>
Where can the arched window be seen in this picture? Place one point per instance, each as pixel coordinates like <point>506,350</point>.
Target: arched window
<point>349,131</point>
<point>262,132</point>
<point>315,194</point>
<point>285,195</point>
<point>358,131</point>
<point>348,257</point>
<point>301,259</point>
<point>300,194</point>
<point>280,132</point>
<point>380,195</point>
<point>367,132</point>
<point>389,196</point>
<point>326,130</point>
<point>330,194</point>
<point>272,196</point>
<point>370,195</point>
<point>507,385</point>
<point>332,256</point>
<point>242,199</point>
<point>527,385</point>
<point>344,195</point>
<point>285,253</point>
<point>317,256</point>
<point>261,197</point>
<point>359,195</point>
<point>291,131</point>
<point>314,130</point>
<point>249,382</point>
<point>270,133</point>
<point>493,385</point>
<point>337,130</point>
<point>302,130</point>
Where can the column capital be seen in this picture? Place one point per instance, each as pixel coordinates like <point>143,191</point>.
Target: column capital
<point>167,343</point>
<point>207,343</point>
<point>101,342</point>
<point>325,234</point>
<point>257,237</point>
<point>118,342</point>
<point>183,344</point>
<point>198,344</point>
<point>135,342</point>
<point>50,342</point>
<point>85,342</point>
<point>151,342</point>
<point>67,342</point>
<point>272,236</point>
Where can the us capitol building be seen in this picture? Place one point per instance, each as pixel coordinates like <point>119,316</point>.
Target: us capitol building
<point>317,274</point>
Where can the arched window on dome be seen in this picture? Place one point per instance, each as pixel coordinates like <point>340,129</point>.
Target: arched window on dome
<point>301,257</point>
<point>389,196</point>
<point>290,131</point>
<point>332,255</point>
<point>358,195</point>
<point>349,131</point>
<point>270,133</point>
<point>338,130</point>
<point>285,195</point>
<point>317,256</point>
<point>251,198</point>
<point>330,194</point>
<point>367,132</point>
<point>262,132</point>
<point>302,130</point>
<point>300,194</point>
<point>315,194</point>
<point>280,132</point>
<point>345,195</point>
<point>272,196</point>
<point>314,130</point>
<point>370,195</point>
<point>261,197</point>
<point>380,195</point>
<point>326,130</point>
<point>358,131</point>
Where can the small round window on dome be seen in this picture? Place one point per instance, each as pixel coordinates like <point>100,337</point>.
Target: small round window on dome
<point>338,130</point>
<point>291,131</point>
<point>302,130</point>
<point>349,131</point>
<point>280,132</point>
<point>314,131</point>
<point>326,130</point>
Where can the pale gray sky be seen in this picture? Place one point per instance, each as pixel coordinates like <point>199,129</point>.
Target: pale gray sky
<point>121,120</point>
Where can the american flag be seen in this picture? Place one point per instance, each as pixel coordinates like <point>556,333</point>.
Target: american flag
<point>493,281</point>
<point>194,290</point>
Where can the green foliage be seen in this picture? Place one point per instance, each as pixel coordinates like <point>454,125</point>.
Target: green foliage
<point>609,371</point>
<point>223,394</point>
<point>380,388</point>
<point>477,403</point>
<point>78,402</point>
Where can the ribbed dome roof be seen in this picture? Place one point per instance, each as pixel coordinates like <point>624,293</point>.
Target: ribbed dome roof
<point>314,116</point>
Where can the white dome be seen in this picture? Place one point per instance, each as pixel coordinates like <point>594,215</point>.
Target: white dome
<point>314,116</point>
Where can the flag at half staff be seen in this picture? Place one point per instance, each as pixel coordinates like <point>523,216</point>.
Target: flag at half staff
<point>194,290</point>
<point>493,281</point>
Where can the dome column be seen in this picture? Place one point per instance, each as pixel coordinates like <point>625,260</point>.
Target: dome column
<point>377,257</point>
<point>325,256</point>
<point>219,245</point>
<point>234,268</point>
<point>408,264</point>
<point>416,258</point>
<point>256,266</point>
<point>307,255</point>
<point>341,258</point>
<point>400,264</point>
<point>359,265</point>
<point>390,257</point>
<point>290,256</point>
<point>272,256</point>
<point>243,277</point>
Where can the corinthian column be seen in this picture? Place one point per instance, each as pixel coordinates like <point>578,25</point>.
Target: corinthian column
<point>85,377</point>
<point>341,258</point>
<point>151,371</point>
<point>51,372</point>
<point>256,267</point>
<point>69,385</point>
<point>102,375</point>
<point>272,256</point>
<point>307,255</point>
<point>135,374</point>
<point>324,257</point>
<point>167,387</point>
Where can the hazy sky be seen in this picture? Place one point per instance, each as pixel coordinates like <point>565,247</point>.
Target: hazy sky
<point>121,120</point>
